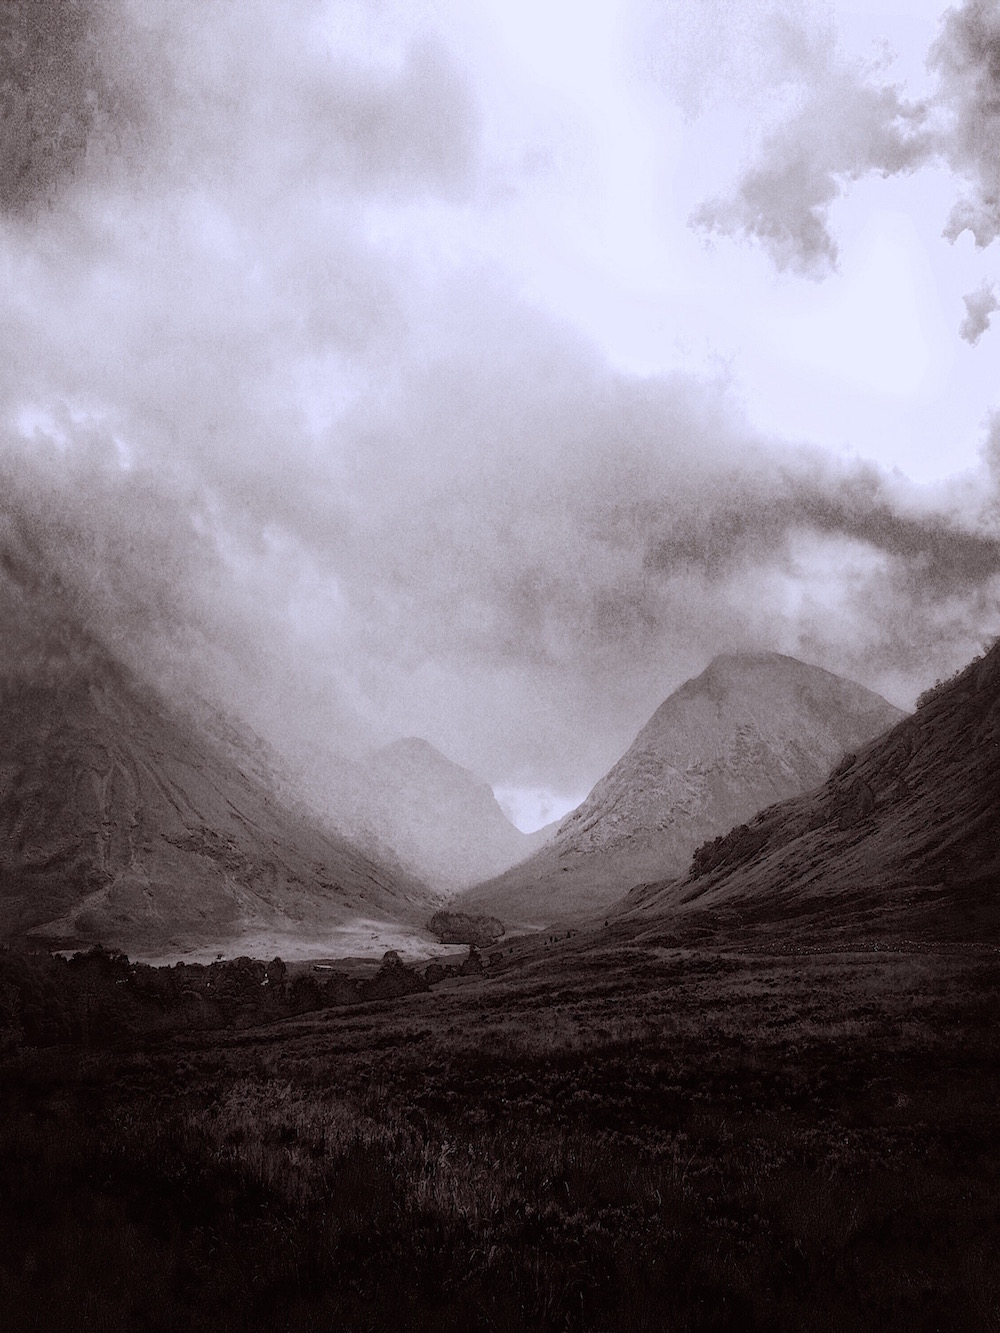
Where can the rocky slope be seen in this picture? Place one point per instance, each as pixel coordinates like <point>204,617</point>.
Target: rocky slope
<point>904,834</point>
<point>750,730</point>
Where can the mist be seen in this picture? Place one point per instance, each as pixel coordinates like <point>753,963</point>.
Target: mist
<point>285,441</point>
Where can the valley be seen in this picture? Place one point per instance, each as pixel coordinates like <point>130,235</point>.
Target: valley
<point>757,1092</point>
<point>499,666</point>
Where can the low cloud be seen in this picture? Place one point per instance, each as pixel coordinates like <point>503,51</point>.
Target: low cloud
<point>516,554</point>
<point>756,514</point>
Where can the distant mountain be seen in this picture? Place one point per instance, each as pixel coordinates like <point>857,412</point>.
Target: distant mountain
<point>122,821</point>
<point>750,730</point>
<point>441,821</point>
<point>405,804</point>
<point>903,835</point>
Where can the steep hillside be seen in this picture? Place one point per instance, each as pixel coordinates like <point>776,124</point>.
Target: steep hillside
<point>750,730</point>
<point>119,824</point>
<point>906,832</point>
<point>122,821</point>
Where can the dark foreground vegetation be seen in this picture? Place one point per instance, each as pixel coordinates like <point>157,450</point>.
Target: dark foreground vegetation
<point>607,1135</point>
<point>100,998</point>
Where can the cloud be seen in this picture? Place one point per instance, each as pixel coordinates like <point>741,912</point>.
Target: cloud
<point>509,548</point>
<point>261,101</point>
<point>849,124</point>
<point>966,58</point>
<point>979,305</point>
<point>55,97</point>
<point>755,515</point>
<point>845,126</point>
<point>355,490</point>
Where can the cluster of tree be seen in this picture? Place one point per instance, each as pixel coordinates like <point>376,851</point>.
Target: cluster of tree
<point>100,997</point>
<point>466,928</point>
<point>470,966</point>
<point>732,848</point>
<point>944,683</point>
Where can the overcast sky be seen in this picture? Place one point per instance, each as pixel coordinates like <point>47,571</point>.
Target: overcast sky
<point>478,369</point>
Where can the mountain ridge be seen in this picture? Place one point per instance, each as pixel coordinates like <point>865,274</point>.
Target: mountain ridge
<point>438,817</point>
<point>749,730</point>
<point>905,829</point>
<point>119,826</point>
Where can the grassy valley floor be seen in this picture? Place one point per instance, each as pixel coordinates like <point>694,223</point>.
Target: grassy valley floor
<point>602,1134</point>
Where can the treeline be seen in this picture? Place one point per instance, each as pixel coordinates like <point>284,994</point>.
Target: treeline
<point>100,997</point>
<point>730,849</point>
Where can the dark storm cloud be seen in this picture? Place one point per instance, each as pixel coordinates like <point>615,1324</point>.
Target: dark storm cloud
<point>753,516</point>
<point>191,91</point>
<point>275,457</point>
<point>63,95</point>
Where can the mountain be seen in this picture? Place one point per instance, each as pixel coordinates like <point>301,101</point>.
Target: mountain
<point>405,804</point>
<point>903,835</point>
<point>119,823</point>
<point>122,821</point>
<point>750,730</point>
<point>438,818</point>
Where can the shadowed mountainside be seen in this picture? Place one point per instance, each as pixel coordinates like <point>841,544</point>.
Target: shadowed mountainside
<point>122,822</point>
<point>905,832</point>
<point>119,824</point>
<point>750,730</point>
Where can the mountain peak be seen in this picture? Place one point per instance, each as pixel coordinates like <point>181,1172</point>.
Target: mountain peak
<point>442,819</point>
<point>415,750</point>
<point>748,659</point>
<point>737,669</point>
<point>752,729</point>
<point>903,831</point>
<point>411,745</point>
